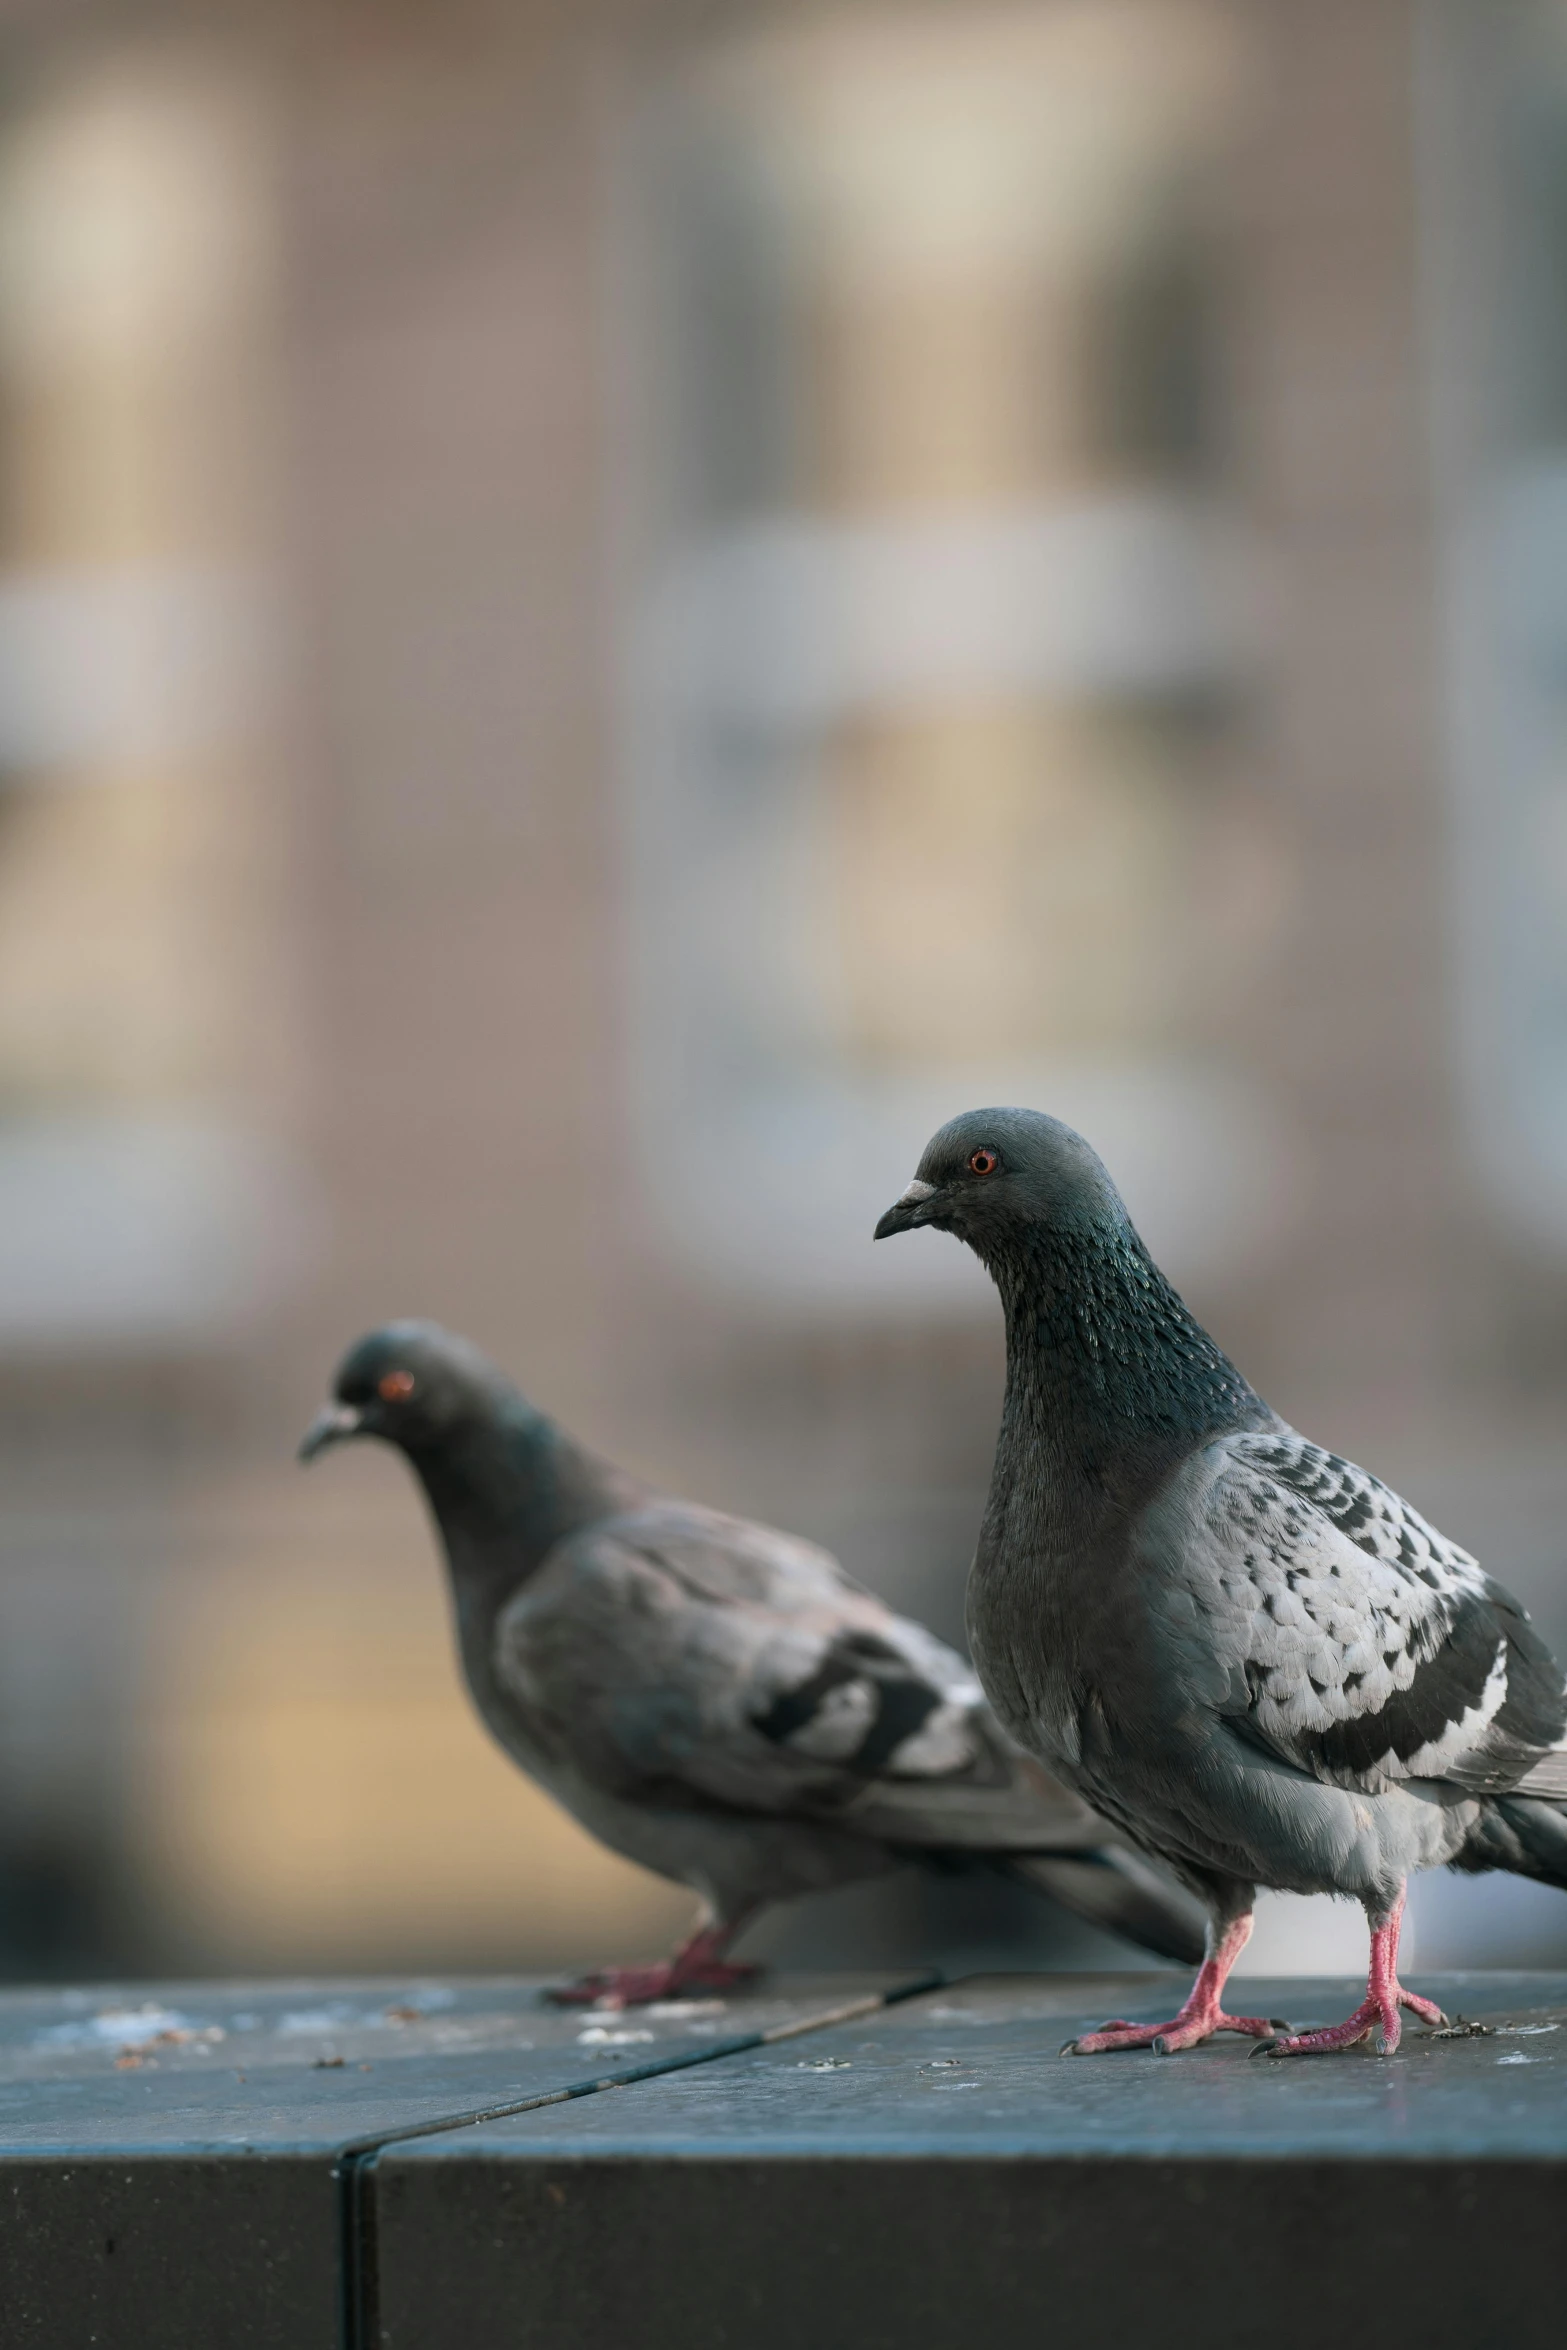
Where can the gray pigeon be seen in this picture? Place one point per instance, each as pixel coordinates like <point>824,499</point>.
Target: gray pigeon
<point>1256,1660</point>
<point>712,1699</point>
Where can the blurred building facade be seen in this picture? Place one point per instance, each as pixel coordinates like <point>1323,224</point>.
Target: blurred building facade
<point>604,616</point>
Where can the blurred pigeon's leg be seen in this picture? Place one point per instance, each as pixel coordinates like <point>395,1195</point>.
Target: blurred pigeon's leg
<point>1378,2011</point>
<point>698,1966</point>
<point>1202,2014</point>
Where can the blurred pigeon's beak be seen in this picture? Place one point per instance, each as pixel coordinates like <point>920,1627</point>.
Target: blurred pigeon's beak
<point>333,1426</point>
<point>911,1207</point>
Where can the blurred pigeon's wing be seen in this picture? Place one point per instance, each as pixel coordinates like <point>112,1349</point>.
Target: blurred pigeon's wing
<point>1352,1638</point>
<point>682,1656</point>
<point>1122,1892</point>
<point>1548,1778</point>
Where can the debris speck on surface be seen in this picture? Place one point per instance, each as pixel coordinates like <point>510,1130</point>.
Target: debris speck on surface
<point>1523,2031</point>
<point>824,2064</point>
<point>681,2010</point>
<point>328,2064</point>
<point>1461,2028</point>
<point>599,2036</point>
<point>404,2015</point>
<point>946,2064</point>
<point>137,2050</point>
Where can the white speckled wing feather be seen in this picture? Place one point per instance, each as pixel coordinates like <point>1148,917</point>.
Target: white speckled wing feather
<point>1355,1640</point>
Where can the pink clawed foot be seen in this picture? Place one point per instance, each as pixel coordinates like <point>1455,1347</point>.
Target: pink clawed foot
<point>1199,2019</point>
<point>1348,2034</point>
<point>634,1986</point>
<point>1374,2014</point>
<point>695,1971</point>
<point>1187,2030</point>
<point>1378,2012</point>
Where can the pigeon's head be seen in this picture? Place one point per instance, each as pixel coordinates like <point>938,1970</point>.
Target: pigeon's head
<point>411,1383</point>
<point>989,1173</point>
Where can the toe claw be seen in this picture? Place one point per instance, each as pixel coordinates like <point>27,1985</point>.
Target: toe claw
<point>1281,2023</point>
<point>1268,2048</point>
<point>1067,2048</point>
<point>1160,2045</point>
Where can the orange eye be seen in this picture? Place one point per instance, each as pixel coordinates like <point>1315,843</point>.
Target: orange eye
<point>396,1387</point>
<point>983,1162</point>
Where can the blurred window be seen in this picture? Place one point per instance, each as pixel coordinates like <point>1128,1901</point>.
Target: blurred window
<point>935,610</point>
<point>137,1200</point>
<point>1495,186</point>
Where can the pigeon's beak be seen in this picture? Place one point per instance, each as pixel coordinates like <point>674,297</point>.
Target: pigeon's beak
<point>911,1207</point>
<point>335,1425</point>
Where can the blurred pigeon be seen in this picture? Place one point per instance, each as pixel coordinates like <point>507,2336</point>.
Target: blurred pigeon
<point>1251,1656</point>
<point>712,1699</point>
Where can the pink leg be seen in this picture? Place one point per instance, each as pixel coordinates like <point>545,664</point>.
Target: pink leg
<point>697,1966</point>
<point>1201,2016</point>
<point>1378,2011</point>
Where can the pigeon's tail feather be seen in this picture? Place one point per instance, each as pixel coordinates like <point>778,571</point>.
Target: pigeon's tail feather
<point>1524,1834</point>
<point>1121,1892</point>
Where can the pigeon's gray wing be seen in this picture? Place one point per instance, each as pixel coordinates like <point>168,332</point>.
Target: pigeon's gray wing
<point>1349,1636</point>
<point>680,1656</point>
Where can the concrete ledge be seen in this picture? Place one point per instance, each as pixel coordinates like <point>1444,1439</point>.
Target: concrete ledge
<point>184,2165</point>
<point>926,2172</point>
<point>952,2182</point>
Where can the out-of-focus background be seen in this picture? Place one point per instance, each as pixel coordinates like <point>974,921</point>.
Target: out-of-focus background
<point>606,613</point>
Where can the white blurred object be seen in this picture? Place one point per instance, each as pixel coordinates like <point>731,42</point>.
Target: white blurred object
<point>162,1228</point>
<point>1451,1921</point>
<point>803,621</point>
<point>1457,1921</point>
<point>1300,1934</point>
<point>106,669</point>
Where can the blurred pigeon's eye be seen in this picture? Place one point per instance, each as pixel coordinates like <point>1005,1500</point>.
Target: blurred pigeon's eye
<point>983,1162</point>
<point>396,1387</point>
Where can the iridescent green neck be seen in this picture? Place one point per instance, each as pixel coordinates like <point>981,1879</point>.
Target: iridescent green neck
<point>1103,1355</point>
